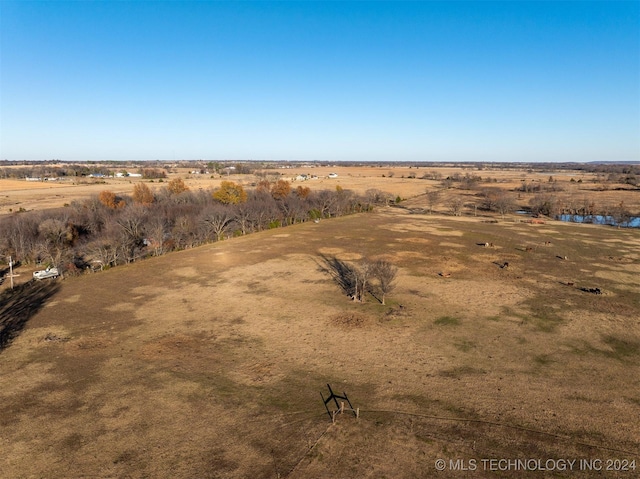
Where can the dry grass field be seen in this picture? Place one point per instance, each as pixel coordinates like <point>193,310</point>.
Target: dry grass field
<point>396,180</point>
<point>210,362</point>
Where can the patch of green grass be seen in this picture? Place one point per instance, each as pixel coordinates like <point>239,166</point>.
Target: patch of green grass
<point>460,411</point>
<point>621,348</point>
<point>542,314</point>
<point>543,360</point>
<point>425,439</point>
<point>460,371</point>
<point>545,319</point>
<point>635,401</point>
<point>617,348</point>
<point>447,321</point>
<point>465,345</point>
<point>580,397</point>
<point>493,318</point>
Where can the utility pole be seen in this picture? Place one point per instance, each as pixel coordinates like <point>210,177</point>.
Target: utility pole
<point>11,275</point>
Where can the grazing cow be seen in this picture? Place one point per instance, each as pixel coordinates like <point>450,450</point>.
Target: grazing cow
<point>505,265</point>
<point>592,290</point>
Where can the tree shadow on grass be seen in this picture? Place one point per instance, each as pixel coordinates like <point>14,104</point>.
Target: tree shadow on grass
<point>341,272</point>
<point>19,304</point>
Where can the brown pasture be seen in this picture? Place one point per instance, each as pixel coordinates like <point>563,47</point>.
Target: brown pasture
<point>210,362</point>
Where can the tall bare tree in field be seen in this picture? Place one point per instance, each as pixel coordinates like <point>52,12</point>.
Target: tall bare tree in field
<point>358,278</point>
<point>455,206</point>
<point>433,199</point>
<point>386,274</point>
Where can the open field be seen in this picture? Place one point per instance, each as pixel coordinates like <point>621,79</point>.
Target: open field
<point>210,362</point>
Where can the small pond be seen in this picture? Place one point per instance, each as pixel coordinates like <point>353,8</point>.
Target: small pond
<point>633,222</point>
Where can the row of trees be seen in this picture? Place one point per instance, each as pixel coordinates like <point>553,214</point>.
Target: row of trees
<point>75,170</point>
<point>109,229</point>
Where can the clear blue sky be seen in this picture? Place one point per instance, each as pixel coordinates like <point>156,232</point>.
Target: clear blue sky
<point>383,81</point>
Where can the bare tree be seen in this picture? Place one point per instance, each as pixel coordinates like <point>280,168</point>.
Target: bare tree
<point>105,252</point>
<point>545,204</point>
<point>131,232</point>
<point>53,233</point>
<point>215,220</point>
<point>377,197</point>
<point>433,199</point>
<point>360,275</point>
<point>325,201</point>
<point>293,209</point>
<point>455,206</point>
<point>155,231</point>
<point>21,235</point>
<point>386,274</point>
<point>263,210</point>
<point>621,215</point>
<point>183,232</point>
<point>242,214</point>
<point>504,203</point>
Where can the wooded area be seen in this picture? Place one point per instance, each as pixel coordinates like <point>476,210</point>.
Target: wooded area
<point>107,229</point>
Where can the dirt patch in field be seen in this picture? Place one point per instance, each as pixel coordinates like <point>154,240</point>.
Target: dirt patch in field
<point>350,320</point>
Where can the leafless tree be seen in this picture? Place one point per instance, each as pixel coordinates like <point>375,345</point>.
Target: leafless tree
<point>242,215</point>
<point>324,202</point>
<point>386,274</point>
<point>504,203</point>
<point>621,215</point>
<point>155,232</point>
<point>455,205</point>
<point>360,274</point>
<point>215,219</point>
<point>433,199</point>
<point>263,210</point>
<point>21,235</point>
<point>375,197</point>
<point>184,231</point>
<point>105,252</point>
<point>545,204</point>
<point>293,209</point>
<point>345,202</point>
<point>131,237</point>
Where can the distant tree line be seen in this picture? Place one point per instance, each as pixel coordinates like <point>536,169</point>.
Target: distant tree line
<point>540,198</point>
<point>106,230</point>
<point>46,170</point>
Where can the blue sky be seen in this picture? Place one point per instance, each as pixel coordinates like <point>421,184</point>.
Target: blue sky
<point>379,81</point>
